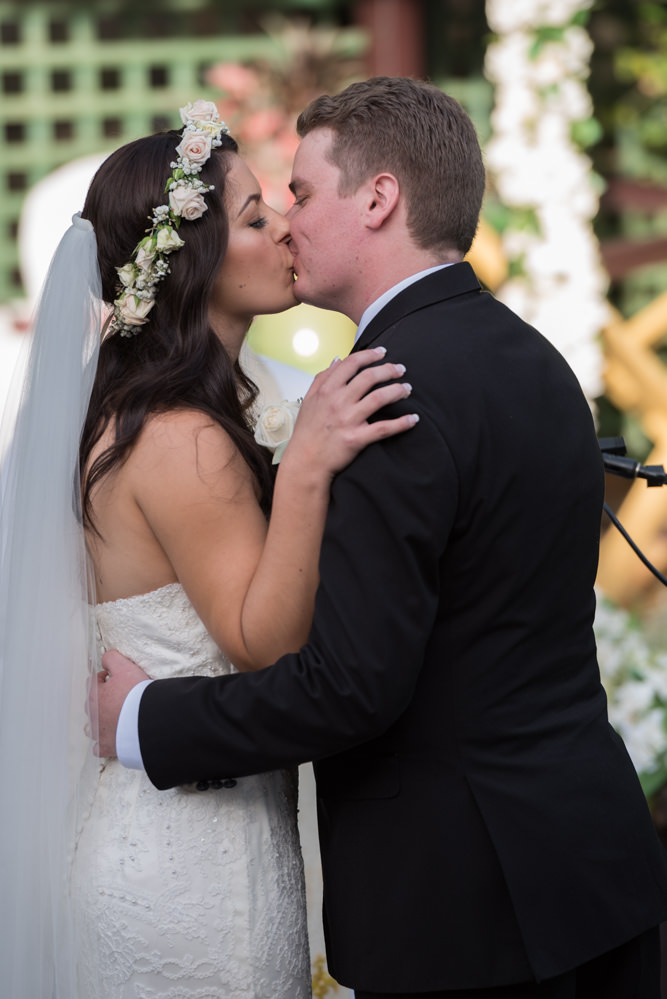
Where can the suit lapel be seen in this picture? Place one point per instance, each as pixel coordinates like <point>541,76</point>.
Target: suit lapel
<point>459,279</point>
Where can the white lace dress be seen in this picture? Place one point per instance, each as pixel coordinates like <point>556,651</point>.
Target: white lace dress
<point>187,894</point>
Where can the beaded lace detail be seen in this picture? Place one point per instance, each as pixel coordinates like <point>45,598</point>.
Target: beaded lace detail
<point>187,894</point>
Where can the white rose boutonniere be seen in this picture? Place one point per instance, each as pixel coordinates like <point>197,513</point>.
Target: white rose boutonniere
<point>275,426</point>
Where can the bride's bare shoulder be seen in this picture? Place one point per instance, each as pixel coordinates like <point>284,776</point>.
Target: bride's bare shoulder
<point>181,428</point>
<point>182,441</point>
<point>177,423</point>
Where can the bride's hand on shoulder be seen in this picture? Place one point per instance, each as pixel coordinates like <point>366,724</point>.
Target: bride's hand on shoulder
<point>332,426</point>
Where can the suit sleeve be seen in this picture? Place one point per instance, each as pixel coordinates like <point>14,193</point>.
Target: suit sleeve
<point>390,516</point>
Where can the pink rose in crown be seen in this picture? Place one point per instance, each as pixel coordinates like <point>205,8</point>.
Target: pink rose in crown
<point>198,111</point>
<point>134,311</point>
<point>145,254</point>
<point>195,146</point>
<point>186,202</point>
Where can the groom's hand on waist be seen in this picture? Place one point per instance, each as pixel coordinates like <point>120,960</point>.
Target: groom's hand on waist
<point>106,697</point>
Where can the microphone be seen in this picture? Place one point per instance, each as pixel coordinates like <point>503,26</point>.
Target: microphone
<point>614,461</point>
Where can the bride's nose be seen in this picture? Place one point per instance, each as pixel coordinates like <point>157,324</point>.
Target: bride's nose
<point>281,228</point>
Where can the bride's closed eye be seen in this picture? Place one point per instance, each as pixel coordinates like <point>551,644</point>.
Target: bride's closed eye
<point>259,223</point>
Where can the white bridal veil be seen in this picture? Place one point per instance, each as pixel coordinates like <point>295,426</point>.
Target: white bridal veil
<point>46,642</point>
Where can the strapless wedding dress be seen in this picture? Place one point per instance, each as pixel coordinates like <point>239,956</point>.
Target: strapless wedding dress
<point>187,894</point>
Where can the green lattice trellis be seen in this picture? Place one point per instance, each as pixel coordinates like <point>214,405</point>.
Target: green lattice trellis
<point>78,78</point>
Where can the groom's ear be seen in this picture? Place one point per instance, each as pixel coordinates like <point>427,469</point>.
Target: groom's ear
<point>381,196</point>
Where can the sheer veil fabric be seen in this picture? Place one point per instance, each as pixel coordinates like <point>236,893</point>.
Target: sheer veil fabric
<point>47,770</point>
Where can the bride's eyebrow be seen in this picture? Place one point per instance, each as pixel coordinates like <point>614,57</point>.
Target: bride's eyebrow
<point>251,197</point>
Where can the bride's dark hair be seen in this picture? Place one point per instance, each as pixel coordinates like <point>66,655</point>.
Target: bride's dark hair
<point>176,360</point>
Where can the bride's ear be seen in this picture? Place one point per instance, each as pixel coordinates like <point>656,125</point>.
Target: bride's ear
<point>381,196</point>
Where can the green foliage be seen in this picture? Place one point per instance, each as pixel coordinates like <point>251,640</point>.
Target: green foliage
<point>586,132</point>
<point>641,113</point>
<point>543,36</point>
<point>546,33</point>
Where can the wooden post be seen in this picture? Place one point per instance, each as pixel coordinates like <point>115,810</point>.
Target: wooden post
<point>396,34</point>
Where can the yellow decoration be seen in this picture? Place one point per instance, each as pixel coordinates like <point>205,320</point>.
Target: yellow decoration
<point>323,983</point>
<point>322,333</point>
<point>487,256</point>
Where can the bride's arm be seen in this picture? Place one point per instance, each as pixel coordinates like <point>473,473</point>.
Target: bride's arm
<point>254,588</point>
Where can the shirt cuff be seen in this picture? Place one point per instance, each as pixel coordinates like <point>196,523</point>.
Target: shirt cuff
<point>128,748</point>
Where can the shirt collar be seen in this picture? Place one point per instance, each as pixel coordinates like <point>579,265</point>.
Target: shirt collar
<point>380,302</point>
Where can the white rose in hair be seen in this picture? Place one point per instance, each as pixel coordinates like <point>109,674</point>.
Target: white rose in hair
<point>275,426</point>
<point>212,128</point>
<point>195,146</point>
<point>198,111</point>
<point>126,273</point>
<point>134,311</point>
<point>167,240</point>
<point>186,202</point>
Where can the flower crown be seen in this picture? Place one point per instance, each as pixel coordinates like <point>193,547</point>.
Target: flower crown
<point>149,264</point>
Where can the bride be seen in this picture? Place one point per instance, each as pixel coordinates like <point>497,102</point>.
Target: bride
<point>110,888</point>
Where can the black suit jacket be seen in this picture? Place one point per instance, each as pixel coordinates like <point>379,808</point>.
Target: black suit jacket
<point>480,822</point>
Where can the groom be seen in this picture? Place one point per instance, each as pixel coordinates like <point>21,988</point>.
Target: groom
<point>483,832</point>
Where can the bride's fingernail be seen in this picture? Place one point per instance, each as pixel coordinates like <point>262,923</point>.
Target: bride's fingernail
<point>400,369</point>
<point>413,418</point>
<point>336,360</point>
<point>380,350</point>
<point>408,387</point>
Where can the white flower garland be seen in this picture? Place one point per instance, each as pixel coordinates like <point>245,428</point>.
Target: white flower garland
<point>635,678</point>
<point>140,277</point>
<point>539,64</point>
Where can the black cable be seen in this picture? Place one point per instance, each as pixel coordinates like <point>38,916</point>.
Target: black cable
<point>638,552</point>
